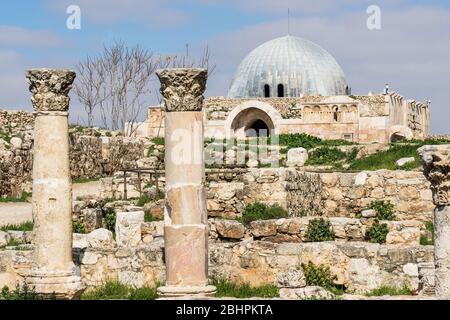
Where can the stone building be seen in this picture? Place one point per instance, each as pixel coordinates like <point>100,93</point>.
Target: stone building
<point>291,85</point>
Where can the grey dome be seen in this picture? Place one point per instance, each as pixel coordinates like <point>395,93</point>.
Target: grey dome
<point>299,65</point>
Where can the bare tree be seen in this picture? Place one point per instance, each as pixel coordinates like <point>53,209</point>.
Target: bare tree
<point>90,79</point>
<point>118,82</point>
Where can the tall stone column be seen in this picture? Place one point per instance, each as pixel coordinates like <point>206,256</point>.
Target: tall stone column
<point>53,270</point>
<point>185,216</point>
<point>436,163</point>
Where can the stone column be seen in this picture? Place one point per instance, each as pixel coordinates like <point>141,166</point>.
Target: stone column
<point>436,163</point>
<point>185,215</point>
<point>53,270</point>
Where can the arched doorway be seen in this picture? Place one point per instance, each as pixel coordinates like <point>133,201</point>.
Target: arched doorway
<point>252,122</point>
<point>258,129</point>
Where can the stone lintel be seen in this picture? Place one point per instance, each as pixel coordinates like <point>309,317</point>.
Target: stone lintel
<point>183,88</point>
<point>436,164</point>
<point>50,88</point>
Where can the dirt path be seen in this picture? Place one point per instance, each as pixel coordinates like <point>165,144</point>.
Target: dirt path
<point>17,213</point>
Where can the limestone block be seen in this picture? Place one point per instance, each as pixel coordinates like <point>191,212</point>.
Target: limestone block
<point>409,236</point>
<point>292,278</point>
<point>297,157</point>
<point>368,213</point>
<point>80,241</point>
<point>100,239</point>
<point>312,292</point>
<point>92,218</point>
<point>263,228</point>
<point>132,278</point>
<point>231,229</point>
<point>361,179</point>
<point>411,269</point>
<point>363,275</point>
<point>128,228</point>
<point>16,142</point>
<point>404,161</point>
<point>4,239</point>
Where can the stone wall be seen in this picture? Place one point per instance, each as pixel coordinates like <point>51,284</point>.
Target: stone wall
<point>16,119</point>
<point>358,266</point>
<point>330,194</point>
<point>90,157</point>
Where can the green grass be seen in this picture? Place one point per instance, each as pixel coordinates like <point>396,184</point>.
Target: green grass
<point>26,226</point>
<point>114,290</point>
<point>85,180</point>
<point>389,291</point>
<point>387,159</point>
<point>261,211</point>
<point>22,292</point>
<point>229,289</point>
<point>78,227</point>
<point>23,198</point>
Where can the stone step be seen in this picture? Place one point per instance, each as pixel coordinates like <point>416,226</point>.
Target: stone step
<point>295,230</point>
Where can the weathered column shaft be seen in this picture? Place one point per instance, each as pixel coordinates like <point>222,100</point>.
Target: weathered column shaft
<point>53,269</point>
<point>436,163</point>
<point>186,230</point>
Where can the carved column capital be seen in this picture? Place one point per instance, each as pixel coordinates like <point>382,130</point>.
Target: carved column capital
<point>183,88</point>
<point>50,88</point>
<point>436,164</point>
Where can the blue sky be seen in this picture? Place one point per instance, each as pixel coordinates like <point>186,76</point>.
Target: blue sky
<point>411,52</point>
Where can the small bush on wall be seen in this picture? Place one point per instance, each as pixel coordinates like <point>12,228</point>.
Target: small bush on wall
<point>261,211</point>
<point>377,232</point>
<point>383,209</point>
<point>319,230</point>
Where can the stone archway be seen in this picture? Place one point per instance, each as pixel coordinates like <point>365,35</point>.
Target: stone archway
<point>253,118</point>
<point>399,133</point>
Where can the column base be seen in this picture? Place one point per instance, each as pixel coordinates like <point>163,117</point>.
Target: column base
<point>187,291</point>
<point>64,286</point>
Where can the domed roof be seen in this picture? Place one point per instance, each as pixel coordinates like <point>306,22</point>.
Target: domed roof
<point>299,65</point>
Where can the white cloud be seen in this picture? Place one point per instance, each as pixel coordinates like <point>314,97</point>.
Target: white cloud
<point>411,52</point>
<point>21,37</point>
<point>155,13</point>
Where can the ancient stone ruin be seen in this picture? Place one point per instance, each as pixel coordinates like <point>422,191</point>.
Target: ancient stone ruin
<point>161,217</point>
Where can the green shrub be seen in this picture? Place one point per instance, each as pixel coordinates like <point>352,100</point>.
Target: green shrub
<point>150,150</point>
<point>13,243</point>
<point>377,232</point>
<point>143,200</point>
<point>383,209</point>
<point>149,218</point>
<point>159,141</point>
<point>319,230</point>
<point>389,291</point>
<point>22,292</point>
<point>26,226</point>
<point>110,220</point>
<point>242,291</point>
<point>299,140</point>
<point>261,211</point>
<point>424,241</point>
<point>326,155</point>
<point>78,227</point>
<point>320,275</point>
<point>113,290</point>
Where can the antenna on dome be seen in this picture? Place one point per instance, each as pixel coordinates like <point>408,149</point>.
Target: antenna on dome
<point>289,22</point>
